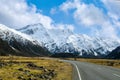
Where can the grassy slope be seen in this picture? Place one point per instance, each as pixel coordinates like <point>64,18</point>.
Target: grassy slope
<point>10,72</point>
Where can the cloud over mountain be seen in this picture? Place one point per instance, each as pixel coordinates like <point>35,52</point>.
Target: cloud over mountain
<point>90,18</point>
<point>17,13</point>
<point>93,17</point>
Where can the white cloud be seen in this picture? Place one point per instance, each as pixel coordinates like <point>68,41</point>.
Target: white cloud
<point>88,15</point>
<point>66,6</point>
<point>17,14</point>
<point>70,27</point>
<point>53,11</point>
<point>65,26</point>
<point>108,30</point>
<point>113,6</point>
<point>69,4</point>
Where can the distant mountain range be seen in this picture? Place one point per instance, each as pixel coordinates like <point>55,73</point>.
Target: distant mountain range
<point>65,41</point>
<point>36,40</point>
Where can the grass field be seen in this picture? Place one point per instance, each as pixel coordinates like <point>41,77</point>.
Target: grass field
<point>28,68</point>
<point>106,62</point>
<point>41,68</point>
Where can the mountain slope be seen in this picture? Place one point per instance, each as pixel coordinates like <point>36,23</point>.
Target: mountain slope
<point>55,40</point>
<point>65,41</point>
<point>38,32</point>
<point>5,48</point>
<point>115,54</point>
<point>92,46</point>
<point>21,43</point>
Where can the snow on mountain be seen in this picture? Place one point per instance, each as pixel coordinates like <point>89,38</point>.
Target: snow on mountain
<point>20,41</point>
<point>94,46</point>
<point>34,32</point>
<point>8,33</point>
<point>38,32</point>
<point>60,37</point>
<point>64,40</point>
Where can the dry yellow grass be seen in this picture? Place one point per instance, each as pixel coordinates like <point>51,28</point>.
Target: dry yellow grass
<point>62,69</point>
<point>106,62</point>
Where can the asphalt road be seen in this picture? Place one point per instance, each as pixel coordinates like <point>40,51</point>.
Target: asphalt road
<point>89,71</point>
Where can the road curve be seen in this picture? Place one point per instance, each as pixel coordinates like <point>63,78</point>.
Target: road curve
<point>89,71</point>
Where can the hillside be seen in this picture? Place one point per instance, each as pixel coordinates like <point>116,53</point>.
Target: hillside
<point>115,54</point>
<point>5,48</point>
<point>22,44</point>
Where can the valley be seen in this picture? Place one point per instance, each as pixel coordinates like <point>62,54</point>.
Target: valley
<point>59,40</point>
<point>43,68</point>
<point>37,53</point>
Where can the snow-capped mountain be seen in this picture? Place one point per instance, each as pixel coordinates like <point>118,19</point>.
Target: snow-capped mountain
<point>38,32</point>
<point>55,40</point>
<point>64,40</point>
<point>93,46</point>
<point>21,43</point>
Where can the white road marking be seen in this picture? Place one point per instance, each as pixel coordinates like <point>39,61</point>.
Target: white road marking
<point>77,71</point>
<point>116,75</point>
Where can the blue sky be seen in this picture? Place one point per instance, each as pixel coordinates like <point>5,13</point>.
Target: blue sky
<point>91,17</point>
<point>60,17</point>
<point>46,5</point>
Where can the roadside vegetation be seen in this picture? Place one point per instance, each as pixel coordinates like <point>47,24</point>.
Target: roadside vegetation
<point>106,62</point>
<point>33,68</point>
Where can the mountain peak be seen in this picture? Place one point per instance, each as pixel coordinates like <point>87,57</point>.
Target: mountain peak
<point>64,40</point>
<point>32,26</point>
<point>31,29</point>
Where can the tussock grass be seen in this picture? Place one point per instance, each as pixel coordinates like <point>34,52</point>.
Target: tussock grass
<point>10,71</point>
